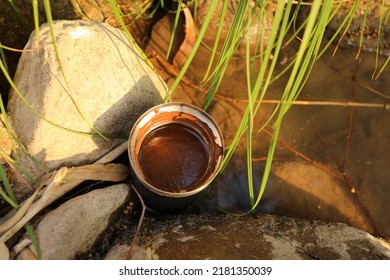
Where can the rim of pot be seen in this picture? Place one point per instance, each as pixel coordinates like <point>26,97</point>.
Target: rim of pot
<point>179,107</point>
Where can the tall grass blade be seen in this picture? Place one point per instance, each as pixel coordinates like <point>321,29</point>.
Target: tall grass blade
<point>14,163</point>
<point>118,16</point>
<point>217,38</point>
<point>7,126</point>
<point>193,51</point>
<point>383,19</point>
<point>11,199</point>
<point>266,58</point>
<point>363,27</point>
<point>7,199</point>
<point>250,118</point>
<point>2,58</point>
<point>282,16</point>
<point>34,241</point>
<point>174,28</point>
<point>11,49</point>
<point>383,68</point>
<point>307,52</point>
<point>233,39</point>
<point>34,4</point>
<point>346,22</point>
<point>9,196</point>
<point>6,184</point>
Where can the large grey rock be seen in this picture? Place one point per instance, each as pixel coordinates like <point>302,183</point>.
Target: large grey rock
<point>106,82</point>
<point>250,237</point>
<point>74,227</point>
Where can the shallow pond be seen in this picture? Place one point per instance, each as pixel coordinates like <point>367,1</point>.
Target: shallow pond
<point>332,160</point>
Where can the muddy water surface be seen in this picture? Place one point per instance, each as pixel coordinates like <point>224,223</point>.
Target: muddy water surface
<point>174,154</point>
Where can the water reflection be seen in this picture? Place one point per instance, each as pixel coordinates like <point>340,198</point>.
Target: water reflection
<point>332,161</point>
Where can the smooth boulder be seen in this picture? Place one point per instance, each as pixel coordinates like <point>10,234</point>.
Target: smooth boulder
<point>96,84</point>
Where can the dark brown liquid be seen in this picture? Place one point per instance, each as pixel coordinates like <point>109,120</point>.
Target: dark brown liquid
<point>173,158</point>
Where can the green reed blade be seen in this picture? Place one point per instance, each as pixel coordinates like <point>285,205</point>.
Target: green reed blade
<point>217,38</point>
<point>34,241</point>
<point>231,43</point>
<point>10,197</point>
<point>383,20</point>
<point>191,56</point>
<point>307,52</point>
<point>7,126</point>
<point>118,16</point>
<point>174,28</point>
<point>17,166</point>
<point>34,4</point>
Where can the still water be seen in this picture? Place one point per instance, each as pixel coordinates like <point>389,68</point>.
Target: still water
<point>332,161</point>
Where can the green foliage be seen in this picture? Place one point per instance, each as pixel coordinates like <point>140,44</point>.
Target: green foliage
<point>174,28</point>
<point>9,196</point>
<point>118,15</point>
<point>258,82</point>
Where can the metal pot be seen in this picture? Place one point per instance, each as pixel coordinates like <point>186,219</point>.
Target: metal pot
<point>175,151</point>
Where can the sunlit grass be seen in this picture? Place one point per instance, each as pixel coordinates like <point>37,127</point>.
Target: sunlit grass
<point>117,14</point>
<point>314,27</point>
<point>191,56</point>
<point>217,39</point>
<point>9,196</point>
<point>34,4</point>
<point>232,41</point>
<point>174,28</point>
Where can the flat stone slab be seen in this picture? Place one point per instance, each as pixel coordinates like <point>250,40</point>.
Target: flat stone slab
<point>250,237</point>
